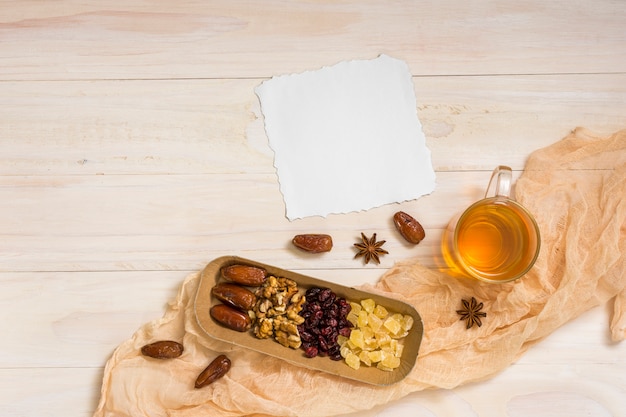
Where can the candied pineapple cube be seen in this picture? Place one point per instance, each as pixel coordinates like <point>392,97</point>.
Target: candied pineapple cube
<point>368,305</point>
<point>382,367</point>
<point>353,361</point>
<point>351,345</point>
<point>370,344</point>
<point>383,338</point>
<point>345,351</point>
<point>407,322</point>
<point>380,311</point>
<point>365,358</point>
<point>376,355</point>
<point>362,321</point>
<point>390,347</point>
<point>368,333</point>
<point>393,344</point>
<point>356,337</point>
<point>401,334</point>
<point>353,317</point>
<point>390,361</point>
<point>355,307</point>
<point>374,322</point>
<point>399,350</point>
<point>392,324</point>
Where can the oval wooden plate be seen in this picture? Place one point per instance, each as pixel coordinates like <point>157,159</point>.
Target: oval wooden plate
<point>371,375</point>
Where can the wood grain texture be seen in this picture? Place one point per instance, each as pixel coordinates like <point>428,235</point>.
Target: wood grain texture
<point>132,152</point>
<point>216,126</point>
<point>195,39</point>
<point>180,222</point>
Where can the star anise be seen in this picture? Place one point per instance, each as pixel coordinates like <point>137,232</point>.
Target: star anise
<point>370,248</point>
<point>471,312</point>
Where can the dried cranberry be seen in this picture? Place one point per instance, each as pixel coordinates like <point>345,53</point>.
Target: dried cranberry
<point>345,331</point>
<point>306,336</point>
<point>326,330</point>
<point>324,320</point>
<point>322,344</point>
<point>311,351</point>
<point>332,310</point>
<point>324,294</point>
<point>312,292</point>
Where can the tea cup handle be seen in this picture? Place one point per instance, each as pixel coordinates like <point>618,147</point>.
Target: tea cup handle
<point>502,186</point>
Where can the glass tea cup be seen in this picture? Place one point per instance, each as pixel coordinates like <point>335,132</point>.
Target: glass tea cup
<point>495,239</point>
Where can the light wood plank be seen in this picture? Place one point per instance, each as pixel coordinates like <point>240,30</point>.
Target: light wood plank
<point>216,126</point>
<point>103,127</point>
<point>535,385</point>
<point>191,39</point>
<point>49,392</point>
<point>76,319</point>
<point>502,120</point>
<point>179,222</point>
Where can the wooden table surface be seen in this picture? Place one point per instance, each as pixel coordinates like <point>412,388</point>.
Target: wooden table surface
<point>133,152</point>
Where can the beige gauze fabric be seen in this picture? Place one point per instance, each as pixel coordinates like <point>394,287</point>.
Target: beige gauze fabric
<point>576,189</point>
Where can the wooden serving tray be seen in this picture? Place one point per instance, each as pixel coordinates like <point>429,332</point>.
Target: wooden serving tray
<point>371,375</point>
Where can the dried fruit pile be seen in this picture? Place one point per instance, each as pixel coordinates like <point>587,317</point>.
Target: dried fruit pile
<point>325,318</point>
<point>376,337</point>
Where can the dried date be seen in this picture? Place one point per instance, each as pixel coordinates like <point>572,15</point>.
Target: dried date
<point>244,275</point>
<point>234,295</point>
<point>231,317</point>
<point>313,243</point>
<point>409,228</point>
<point>216,369</point>
<point>163,349</point>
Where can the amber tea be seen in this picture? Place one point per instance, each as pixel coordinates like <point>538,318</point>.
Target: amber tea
<point>495,239</point>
